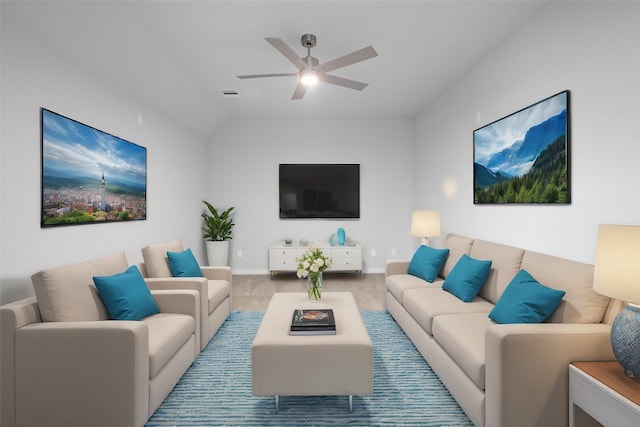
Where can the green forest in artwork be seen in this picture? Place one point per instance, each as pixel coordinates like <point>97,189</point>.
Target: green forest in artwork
<point>546,181</point>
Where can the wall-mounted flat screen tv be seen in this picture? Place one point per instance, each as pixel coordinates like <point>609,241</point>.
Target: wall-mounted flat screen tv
<point>312,190</point>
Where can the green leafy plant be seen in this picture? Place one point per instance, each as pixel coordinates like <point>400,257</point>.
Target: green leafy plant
<point>217,226</point>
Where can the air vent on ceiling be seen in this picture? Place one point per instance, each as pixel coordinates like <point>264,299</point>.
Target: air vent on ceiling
<point>229,93</point>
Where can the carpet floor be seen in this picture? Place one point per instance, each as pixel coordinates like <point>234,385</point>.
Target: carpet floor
<point>216,390</point>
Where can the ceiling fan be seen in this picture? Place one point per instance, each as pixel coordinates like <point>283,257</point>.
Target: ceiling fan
<point>310,69</point>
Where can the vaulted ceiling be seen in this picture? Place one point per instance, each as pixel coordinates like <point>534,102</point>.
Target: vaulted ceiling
<point>179,55</point>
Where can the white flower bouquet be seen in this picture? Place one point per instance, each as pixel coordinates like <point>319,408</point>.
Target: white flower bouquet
<point>311,266</point>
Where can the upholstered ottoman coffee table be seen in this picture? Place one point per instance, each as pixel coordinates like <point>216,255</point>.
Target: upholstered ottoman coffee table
<point>285,365</point>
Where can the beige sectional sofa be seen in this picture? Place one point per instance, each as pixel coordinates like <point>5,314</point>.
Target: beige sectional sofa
<point>503,375</point>
<point>65,363</point>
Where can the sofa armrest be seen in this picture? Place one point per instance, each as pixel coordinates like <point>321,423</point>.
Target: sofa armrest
<point>527,370</point>
<point>396,266</point>
<point>193,283</point>
<point>183,301</point>
<point>217,273</point>
<point>82,373</point>
<point>13,316</point>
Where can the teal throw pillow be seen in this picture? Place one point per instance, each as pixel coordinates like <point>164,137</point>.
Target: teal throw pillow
<point>184,264</point>
<point>427,262</point>
<point>467,277</point>
<point>126,295</point>
<point>525,300</point>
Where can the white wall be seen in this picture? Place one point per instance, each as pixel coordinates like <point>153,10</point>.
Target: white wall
<point>590,49</point>
<point>243,172</point>
<point>33,76</point>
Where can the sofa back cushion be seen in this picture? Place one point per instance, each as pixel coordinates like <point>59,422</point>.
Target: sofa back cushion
<point>458,246</point>
<point>67,294</point>
<point>156,262</point>
<point>581,304</point>
<point>506,264</point>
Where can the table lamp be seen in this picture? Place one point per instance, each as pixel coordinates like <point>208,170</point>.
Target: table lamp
<point>425,224</point>
<point>617,275</point>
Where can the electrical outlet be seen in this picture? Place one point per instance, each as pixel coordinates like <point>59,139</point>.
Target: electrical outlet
<point>239,253</point>
<point>373,252</point>
<point>394,252</point>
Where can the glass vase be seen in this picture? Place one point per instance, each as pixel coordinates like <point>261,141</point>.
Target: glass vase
<point>314,287</point>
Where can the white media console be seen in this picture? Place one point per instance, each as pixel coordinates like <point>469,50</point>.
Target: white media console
<point>282,257</point>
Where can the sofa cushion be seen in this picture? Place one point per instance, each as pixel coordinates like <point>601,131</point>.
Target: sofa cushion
<point>425,304</point>
<point>156,262</point>
<point>427,262</point>
<point>506,262</point>
<point>67,293</point>
<point>397,284</point>
<point>581,304</point>
<point>458,246</point>
<point>467,278</point>
<point>525,301</point>
<point>167,333</point>
<point>126,295</point>
<point>461,336</point>
<point>183,264</point>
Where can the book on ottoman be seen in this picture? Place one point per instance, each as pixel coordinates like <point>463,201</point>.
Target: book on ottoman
<point>313,322</point>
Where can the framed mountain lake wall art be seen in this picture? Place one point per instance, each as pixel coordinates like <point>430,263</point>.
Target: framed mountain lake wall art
<point>524,158</point>
<point>89,176</point>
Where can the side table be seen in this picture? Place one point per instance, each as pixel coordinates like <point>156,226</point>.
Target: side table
<point>603,391</point>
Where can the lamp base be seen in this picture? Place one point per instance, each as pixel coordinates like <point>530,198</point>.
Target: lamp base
<point>625,339</point>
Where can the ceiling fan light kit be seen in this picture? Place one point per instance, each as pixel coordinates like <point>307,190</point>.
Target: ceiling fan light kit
<point>309,77</point>
<point>310,71</point>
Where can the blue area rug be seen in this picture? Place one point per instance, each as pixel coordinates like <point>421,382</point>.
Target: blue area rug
<point>216,390</point>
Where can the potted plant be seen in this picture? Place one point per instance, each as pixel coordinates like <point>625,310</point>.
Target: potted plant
<point>217,233</point>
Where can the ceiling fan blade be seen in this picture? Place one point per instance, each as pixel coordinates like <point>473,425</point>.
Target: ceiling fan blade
<point>258,76</point>
<point>340,81</point>
<point>351,58</point>
<point>289,53</point>
<point>299,92</point>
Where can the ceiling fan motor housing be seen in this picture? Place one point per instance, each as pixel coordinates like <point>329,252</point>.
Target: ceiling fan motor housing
<point>308,40</point>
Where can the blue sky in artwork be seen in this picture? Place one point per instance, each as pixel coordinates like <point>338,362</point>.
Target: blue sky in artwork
<point>76,150</point>
<point>504,133</point>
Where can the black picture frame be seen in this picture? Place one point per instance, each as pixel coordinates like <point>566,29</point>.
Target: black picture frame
<point>524,158</point>
<point>89,176</point>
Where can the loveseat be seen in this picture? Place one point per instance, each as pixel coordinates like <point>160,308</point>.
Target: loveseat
<point>64,362</point>
<point>214,287</point>
<point>503,374</point>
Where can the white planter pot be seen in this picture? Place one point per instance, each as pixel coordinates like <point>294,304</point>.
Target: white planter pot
<point>218,253</point>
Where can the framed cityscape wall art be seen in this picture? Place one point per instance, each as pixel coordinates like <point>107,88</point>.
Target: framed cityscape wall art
<point>89,176</point>
<point>524,157</point>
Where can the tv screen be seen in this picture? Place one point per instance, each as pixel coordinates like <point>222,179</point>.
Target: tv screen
<point>319,191</point>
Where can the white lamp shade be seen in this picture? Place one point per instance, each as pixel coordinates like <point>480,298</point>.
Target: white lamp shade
<point>425,224</point>
<point>617,266</point>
